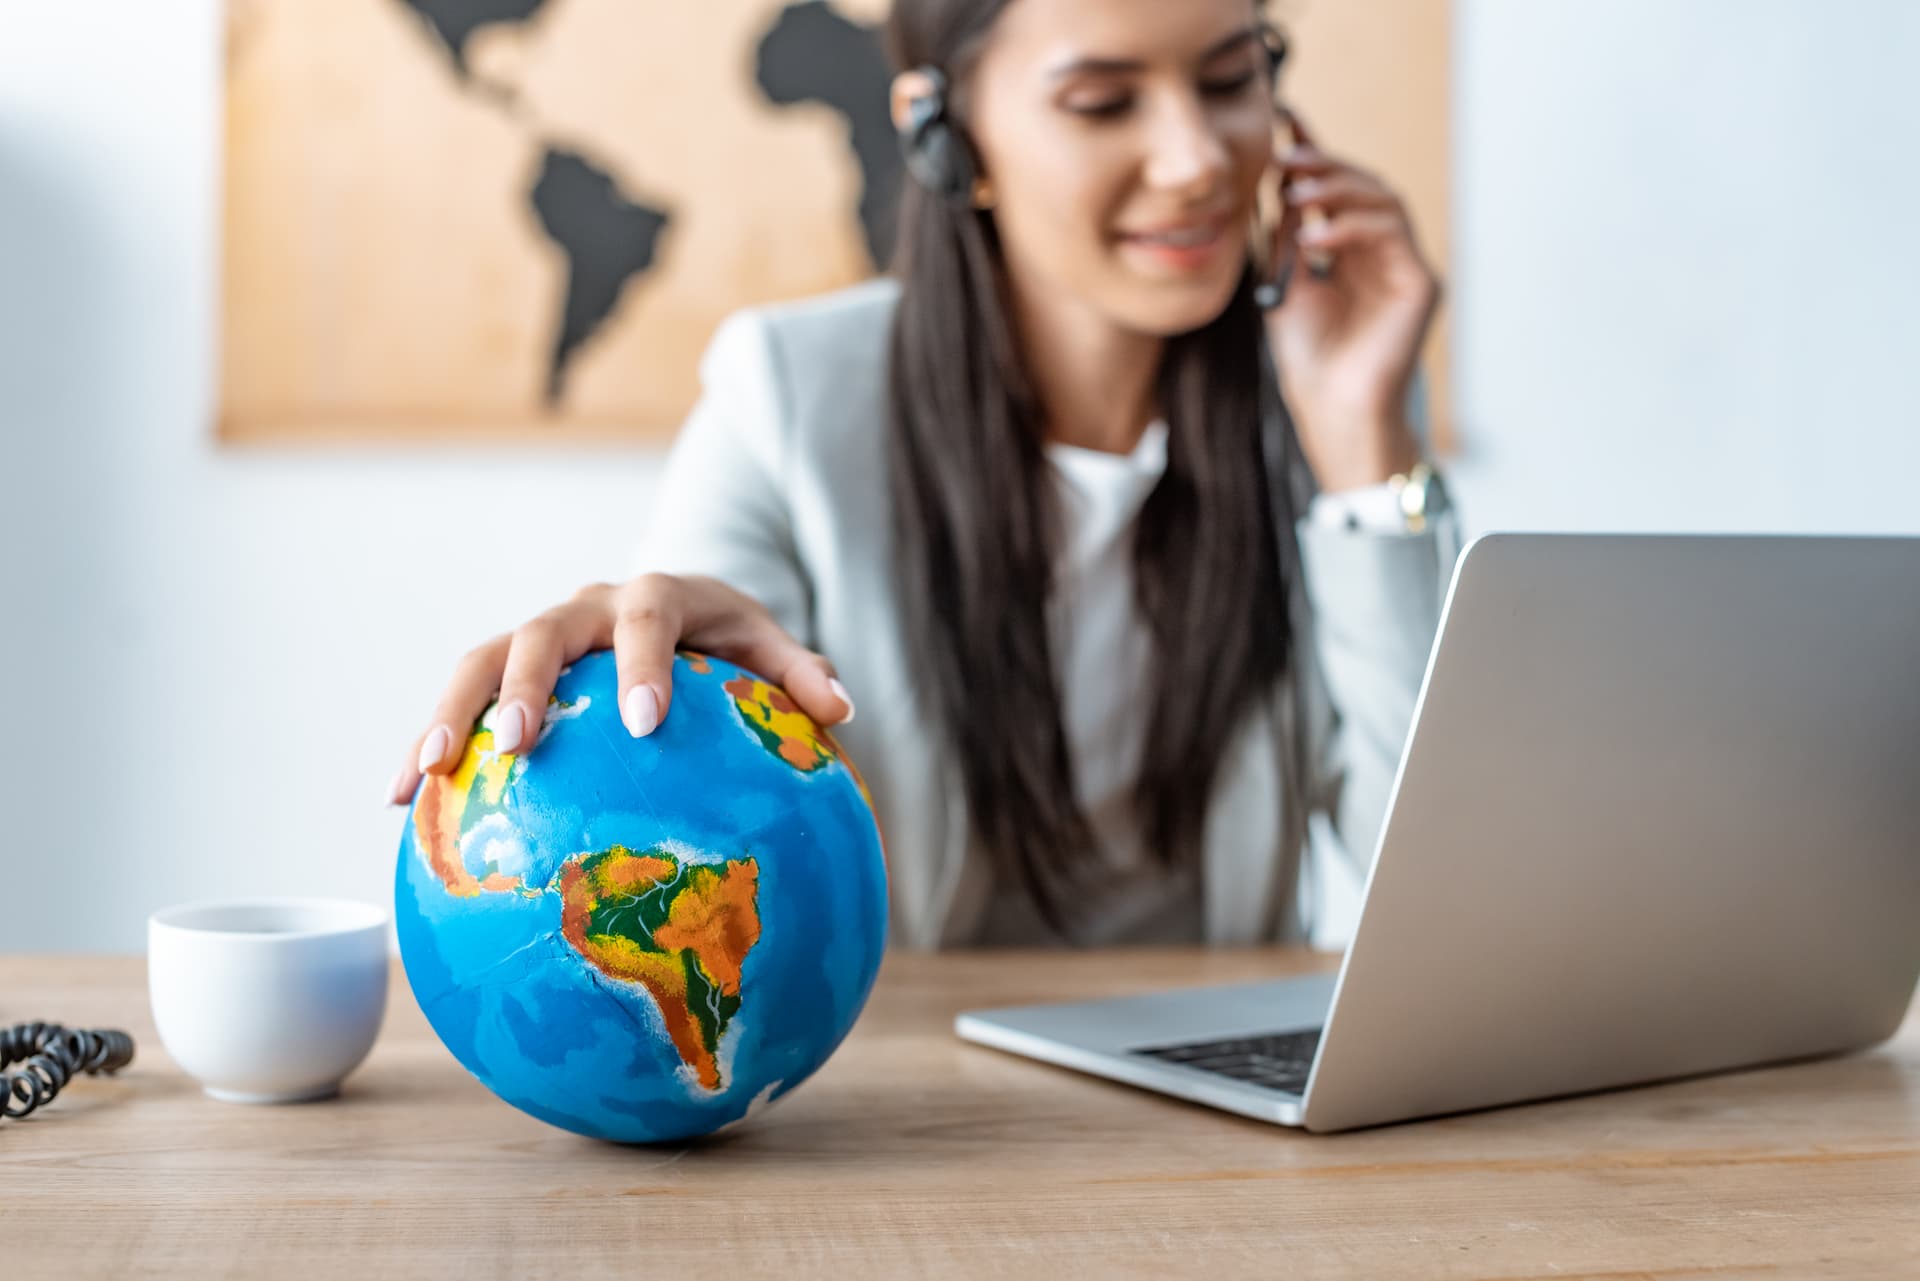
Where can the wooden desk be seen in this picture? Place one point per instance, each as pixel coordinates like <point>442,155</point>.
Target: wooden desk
<point>914,1155</point>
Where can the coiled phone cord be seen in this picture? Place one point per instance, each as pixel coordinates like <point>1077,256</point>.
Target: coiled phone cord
<point>49,1056</point>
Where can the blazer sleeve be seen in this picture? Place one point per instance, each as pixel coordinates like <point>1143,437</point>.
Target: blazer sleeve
<point>1374,601</point>
<point>720,505</point>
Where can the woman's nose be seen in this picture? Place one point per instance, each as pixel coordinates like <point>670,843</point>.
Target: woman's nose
<point>1184,150</point>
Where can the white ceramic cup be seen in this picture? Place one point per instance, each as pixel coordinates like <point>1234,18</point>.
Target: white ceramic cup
<point>268,1000</point>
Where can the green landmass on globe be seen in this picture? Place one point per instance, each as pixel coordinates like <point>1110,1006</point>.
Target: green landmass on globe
<point>680,930</point>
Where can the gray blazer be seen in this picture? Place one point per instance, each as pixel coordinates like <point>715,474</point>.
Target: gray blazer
<point>777,485</point>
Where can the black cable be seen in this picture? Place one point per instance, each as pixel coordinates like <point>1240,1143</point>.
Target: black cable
<point>50,1056</point>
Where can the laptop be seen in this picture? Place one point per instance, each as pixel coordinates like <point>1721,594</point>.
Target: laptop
<point>1658,815</point>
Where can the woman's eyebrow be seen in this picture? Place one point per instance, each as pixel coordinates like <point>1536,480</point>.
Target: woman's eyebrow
<point>1121,66</point>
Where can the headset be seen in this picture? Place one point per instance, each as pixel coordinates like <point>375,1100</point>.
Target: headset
<point>937,152</point>
<point>935,145</point>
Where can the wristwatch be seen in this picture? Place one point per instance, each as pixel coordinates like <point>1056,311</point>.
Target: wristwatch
<point>1420,495</point>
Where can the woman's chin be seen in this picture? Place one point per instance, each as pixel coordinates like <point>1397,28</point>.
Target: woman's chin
<point>1167,310</point>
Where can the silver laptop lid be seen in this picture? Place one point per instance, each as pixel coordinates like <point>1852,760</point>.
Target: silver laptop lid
<point>1659,814</point>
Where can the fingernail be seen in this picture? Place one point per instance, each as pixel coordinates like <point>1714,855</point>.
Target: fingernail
<point>840,692</point>
<point>398,793</point>
<point>509,727</point>
<point>1300,191</point>
<point>642,712</point>
<point>435,749</point>
<point>1316,230</point>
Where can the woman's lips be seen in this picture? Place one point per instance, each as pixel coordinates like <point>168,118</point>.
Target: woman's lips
<point>1186,246</point>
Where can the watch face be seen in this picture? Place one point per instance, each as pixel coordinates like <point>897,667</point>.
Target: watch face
<point>1422,497</point>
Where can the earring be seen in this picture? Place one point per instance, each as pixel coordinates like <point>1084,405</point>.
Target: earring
<point>982,194</point>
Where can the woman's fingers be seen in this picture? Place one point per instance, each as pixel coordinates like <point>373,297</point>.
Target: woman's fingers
<point>1297,126</point>
<point>1317,189</point>
<point>1304,161</point>
<point>1340,189</point>
<point>407,781</point>
<point>648,615</point>
<point>658,614</point>
<point>1298,162</point>
<point>540,649</point>
<point>1295,165</point>
<point>737,629</point>
<point>646,620</point>
<point>807,677</point>
<point>519,669</point>
<point>444,741</point>
<point>1352,228</point>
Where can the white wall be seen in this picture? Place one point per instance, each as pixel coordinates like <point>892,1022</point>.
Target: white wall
<point>1686,279</point>
<point>1684,289</point>
<point>215,659</point>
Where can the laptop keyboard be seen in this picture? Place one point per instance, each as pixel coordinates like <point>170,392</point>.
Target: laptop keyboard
<point>1279,1061</point>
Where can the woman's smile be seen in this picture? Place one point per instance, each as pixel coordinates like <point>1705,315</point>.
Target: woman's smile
<point>1183,247</point>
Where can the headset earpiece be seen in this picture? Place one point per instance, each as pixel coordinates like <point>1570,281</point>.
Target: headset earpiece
<point>935,150</point>
<point>1274,41</point>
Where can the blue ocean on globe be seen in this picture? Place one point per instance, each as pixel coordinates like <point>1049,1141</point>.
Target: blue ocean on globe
<point>645,939</point>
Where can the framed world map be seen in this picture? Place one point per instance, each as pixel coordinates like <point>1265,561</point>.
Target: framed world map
<point>521,220</point>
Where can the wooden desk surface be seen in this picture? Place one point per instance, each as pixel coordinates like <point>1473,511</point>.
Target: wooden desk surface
<point>913,1154</point>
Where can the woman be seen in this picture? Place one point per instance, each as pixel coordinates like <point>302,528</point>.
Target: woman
<point>1033,500</point>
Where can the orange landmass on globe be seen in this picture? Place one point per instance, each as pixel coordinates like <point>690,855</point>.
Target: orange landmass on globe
<point>443,802</point>
<point>777,721</point>
<point>710,924</point>
<point>783,729</point>
<point>715,919</point>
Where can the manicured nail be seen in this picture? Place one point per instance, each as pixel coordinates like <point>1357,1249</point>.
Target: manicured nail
<point>398,793</point>
<point>642,714</point>
<point>509,727</point>
<point>435,749</point>
<point>840,692</point>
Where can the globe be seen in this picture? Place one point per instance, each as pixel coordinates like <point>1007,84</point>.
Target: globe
<point>645,940</point>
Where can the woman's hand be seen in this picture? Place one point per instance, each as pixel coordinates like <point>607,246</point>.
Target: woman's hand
<point>644,621</point>
<point>1346,343</point>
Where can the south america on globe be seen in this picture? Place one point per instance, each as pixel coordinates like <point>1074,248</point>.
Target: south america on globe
<point>647,939</point>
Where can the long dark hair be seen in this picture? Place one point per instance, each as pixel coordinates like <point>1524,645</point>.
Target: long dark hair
<point>978,530</point>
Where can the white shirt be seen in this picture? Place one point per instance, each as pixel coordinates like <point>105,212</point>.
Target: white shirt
<point>1102,652</point>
